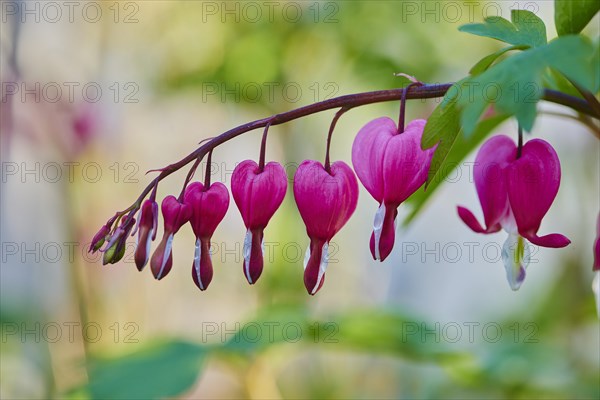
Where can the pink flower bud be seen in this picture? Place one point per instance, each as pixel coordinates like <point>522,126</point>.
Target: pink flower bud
<point>257,194</point>
<point>208,207</point>
<point>391,166</point>
<point>147,225</point>
<point>326,201</point>
<point>175,214</point>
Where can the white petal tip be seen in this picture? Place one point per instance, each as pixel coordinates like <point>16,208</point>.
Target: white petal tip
<point>515,256</point>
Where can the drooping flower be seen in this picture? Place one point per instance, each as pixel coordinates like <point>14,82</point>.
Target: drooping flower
<point>326,200</point>
<point>175,214</point>
<point>208,206</point>
<point>515,194</point>
<point>147,226</point>
<point>99,238</point>
<point>596,267</point>
<point>391,166</point>
<point>115,248</point>
<point>257,194</point>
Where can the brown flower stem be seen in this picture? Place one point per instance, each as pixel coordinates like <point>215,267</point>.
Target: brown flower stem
<point>348,101</point>
<point>263,149</point>
<point>207,175</point>
<point>402,116</point>
<point>331,128</point>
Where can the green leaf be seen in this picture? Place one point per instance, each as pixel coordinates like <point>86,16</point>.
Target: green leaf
<point>161,371</point>
<point>483,64</point>
<point>514,85</point>
<point>448,156</point>
<point>571,16</point>
<point>525,29</point>
<point>388,333</point>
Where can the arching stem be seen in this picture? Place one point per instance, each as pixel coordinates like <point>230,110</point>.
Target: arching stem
<point>520,145</point>
<point>208,168</point>
<point>331,128</point>
<point>402,118</point>
<point>263,149</point>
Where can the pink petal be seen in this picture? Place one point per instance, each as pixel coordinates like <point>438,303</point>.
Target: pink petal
<point>162,259</point>
<point>253,255</point>
<point>405,164</point>
<point>208,207</point>
<point>384,232</point>
<point>315,265</point>
<point>202,269</point>
<point>325,201</point>
<point>554,240</point>
<point>368,153</point>
<point>258,195</point>
<point>532,183</point>
<point>492,159</point>
<point>175,214</point>
<point>469,219</point>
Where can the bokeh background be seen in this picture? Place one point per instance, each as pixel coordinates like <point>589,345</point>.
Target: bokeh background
<point>149,80</point>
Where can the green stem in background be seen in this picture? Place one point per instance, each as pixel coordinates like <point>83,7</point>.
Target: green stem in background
<point>75,267</point>
<point>348,101</point>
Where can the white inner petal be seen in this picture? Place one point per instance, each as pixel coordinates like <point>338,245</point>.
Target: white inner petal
<point>247,253</point>
<point>197,256</point>
<point>377,228</point>
<point>322,266</point>
<point>596,289</point>
<point>148,244</point>
<point>515,256</point>
<point>307,256</point>
<point>166,254</point>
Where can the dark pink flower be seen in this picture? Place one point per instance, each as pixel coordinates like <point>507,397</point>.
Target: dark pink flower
<point>515,194</point>
<point>257,194</point>
<point>326,200</point>
<point>391,166</point>
<point>175,214</point>
<point>147,226</point>
<point>208,207</point>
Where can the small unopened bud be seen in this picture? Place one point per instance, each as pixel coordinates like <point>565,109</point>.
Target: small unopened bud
<point>99,239</point>
<point>115,249</point>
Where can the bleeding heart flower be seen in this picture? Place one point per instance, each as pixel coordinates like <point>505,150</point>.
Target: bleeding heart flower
<point>208,207</point>
<point>147,225</point>
<point>257,194</point>
<point>175,214</point>
<point>391,166</point>
<point>326,200</point>
<point>515,194</point>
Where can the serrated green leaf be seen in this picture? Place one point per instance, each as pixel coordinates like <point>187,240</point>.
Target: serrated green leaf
<point>525,29</point>
<point>514,85</point>
<point>451,153</point>
<point>161,371</point>
<point>571,16</point>
<point>483,64</point>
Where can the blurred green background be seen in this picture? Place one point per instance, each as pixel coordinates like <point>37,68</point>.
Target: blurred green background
<point>435,320</point>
